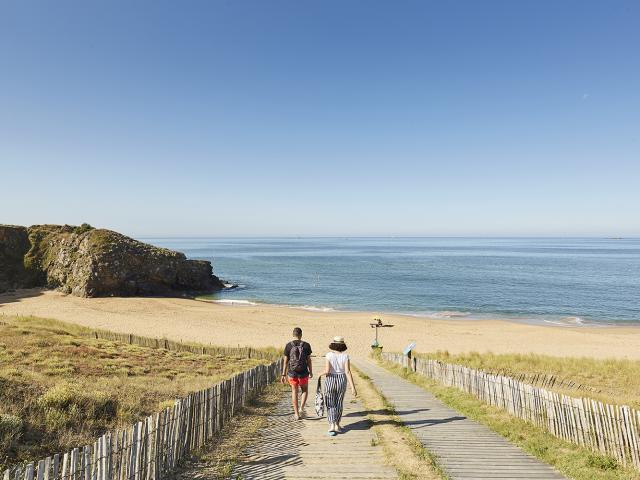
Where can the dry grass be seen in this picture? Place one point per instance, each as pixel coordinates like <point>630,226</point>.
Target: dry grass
<point>60,388</point>
<point>614,381</point>
<point>402,449</point>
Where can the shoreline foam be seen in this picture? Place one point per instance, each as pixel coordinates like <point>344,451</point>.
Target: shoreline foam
<point>561,321</point>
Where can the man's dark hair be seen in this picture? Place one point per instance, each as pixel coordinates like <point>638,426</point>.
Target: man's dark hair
<point>297,332</point>
<point>338,347</point>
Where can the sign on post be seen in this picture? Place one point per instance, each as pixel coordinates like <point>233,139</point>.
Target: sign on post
<point>407,353</point>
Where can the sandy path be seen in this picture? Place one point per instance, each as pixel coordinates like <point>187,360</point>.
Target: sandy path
<point>270,325</point>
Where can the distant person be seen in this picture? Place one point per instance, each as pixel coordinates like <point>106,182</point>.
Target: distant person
<point>297,370</point>
<point>338,372</point>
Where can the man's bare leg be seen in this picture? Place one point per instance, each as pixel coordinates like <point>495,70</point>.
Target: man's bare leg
<point>294,401</point>
<point>305,394</point>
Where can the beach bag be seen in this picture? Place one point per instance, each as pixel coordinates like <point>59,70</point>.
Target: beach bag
<point>298,358</point>
<point>319,399</point>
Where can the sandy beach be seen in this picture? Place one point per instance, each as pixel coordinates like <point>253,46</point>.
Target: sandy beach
<point>271,325</point>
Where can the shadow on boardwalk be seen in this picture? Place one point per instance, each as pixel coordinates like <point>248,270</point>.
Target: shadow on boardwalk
<point>290,449</point>
<point>277,448</point>
<point>463,448</point>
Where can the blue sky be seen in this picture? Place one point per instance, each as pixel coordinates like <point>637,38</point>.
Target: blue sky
<point>322,118</point>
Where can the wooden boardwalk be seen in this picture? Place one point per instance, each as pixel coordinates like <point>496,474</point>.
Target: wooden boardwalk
<point>463,448</point>
<point>289,449</point>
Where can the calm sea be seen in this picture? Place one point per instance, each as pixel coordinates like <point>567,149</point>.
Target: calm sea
<point>564,281</point>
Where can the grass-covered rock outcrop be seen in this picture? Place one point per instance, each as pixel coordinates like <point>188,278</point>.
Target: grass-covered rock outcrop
<point>91,262</point>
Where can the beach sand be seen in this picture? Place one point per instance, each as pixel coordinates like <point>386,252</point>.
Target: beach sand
<point>271,325</point>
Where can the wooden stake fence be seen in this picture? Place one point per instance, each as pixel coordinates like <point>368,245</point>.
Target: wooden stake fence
<point>604,428</point>
<point>154,446</point>
<point>150,342</point>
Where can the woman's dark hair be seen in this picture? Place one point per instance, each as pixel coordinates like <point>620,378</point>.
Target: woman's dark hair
<point>338,347</point>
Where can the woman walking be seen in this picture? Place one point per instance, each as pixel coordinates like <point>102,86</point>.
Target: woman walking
<point>337,373</point>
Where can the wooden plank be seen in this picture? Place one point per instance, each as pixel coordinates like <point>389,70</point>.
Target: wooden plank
<point>94,462</point>
<point>135,448</point>
<point>631,436</point>
<point>86,462</point>
<point>123,456</point>
<point>65,467</point>
<point>47,468</point>
<point>73,466</point>
<point>29,472</point>
<point>615,418</point>
<point>612,425</point>
<point>601,432</point>
<point>56,466</point>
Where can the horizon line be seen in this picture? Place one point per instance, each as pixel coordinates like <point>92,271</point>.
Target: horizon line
<point>291,236</point>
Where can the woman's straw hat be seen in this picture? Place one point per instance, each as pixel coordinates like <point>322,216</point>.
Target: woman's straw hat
<point>338,339</point>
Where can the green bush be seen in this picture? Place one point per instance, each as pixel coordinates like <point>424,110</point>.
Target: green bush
<point>10,430</point>
<point>602,462</point>
<point>85,227</point>
<point>60,396</point>
<point>65,404</point>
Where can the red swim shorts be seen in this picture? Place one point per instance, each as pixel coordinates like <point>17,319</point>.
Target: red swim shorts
<point>299,381</point>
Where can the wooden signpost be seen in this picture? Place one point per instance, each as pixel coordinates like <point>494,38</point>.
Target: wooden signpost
<point>378,324</point>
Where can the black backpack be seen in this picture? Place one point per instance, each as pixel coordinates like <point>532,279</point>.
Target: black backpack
<point>298,358</point>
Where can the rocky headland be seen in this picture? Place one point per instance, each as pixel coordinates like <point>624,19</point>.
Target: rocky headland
<point>89,262</point>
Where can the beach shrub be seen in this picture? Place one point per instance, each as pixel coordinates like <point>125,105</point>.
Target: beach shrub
<point>602,462</point>
<point>10,430</point>
<point>166,404</point>
<point>85,227</point>
<point>65,404</point>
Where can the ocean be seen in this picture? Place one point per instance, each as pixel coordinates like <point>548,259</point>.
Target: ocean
<point>556,281</point>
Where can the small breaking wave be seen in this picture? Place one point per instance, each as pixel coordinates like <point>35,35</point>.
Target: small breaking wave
<point>230,301</point>
<point>442,314</point>
<point>450,314</point>
<point>312,308</point>
<point>566,322</point>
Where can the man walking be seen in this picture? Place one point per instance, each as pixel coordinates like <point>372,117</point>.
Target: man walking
<point>297,370</point>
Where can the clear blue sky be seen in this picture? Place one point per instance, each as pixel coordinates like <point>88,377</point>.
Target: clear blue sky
<point>321,118</point>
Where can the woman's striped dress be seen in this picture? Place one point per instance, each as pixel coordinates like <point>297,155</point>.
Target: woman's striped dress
<point>335,386</point>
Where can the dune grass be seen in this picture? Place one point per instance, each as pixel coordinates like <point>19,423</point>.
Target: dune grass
<point>610,380</point>
<point>574,461</point>
<point>402,448</point>
<point>60,388</point>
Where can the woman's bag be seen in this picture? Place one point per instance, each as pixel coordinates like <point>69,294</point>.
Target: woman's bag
<point>319,399</point>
